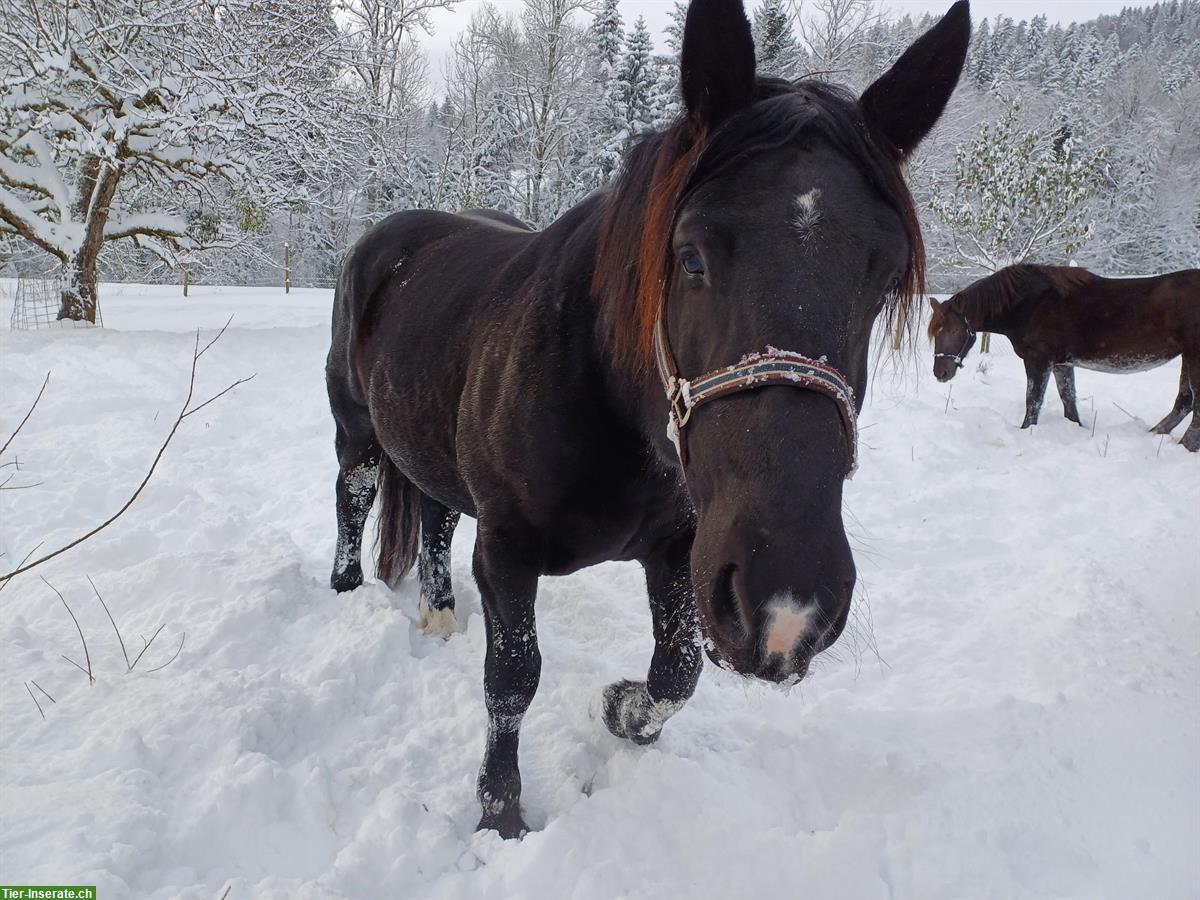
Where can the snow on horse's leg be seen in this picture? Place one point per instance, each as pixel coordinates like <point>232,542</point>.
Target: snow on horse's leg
<point>436,622</point>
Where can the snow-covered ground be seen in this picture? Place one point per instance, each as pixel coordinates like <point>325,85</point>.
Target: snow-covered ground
<point>1015,711</point>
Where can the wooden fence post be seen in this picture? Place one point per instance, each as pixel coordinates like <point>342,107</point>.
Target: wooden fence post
<point>287,267</point>
<point>185,280</point>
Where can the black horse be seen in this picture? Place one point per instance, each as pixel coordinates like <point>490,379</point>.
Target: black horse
<point>527,379</point>
<point>1059,317</point>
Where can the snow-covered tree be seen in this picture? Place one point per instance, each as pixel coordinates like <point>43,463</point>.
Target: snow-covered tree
<point>609,128</point>
<point>118,118</point>
<point>1018,194</point>
<point>835,31</point>
<point>635,78</point>
<point>391,75</point>
<point>775,45</point>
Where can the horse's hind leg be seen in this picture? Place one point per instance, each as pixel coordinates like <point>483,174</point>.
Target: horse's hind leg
<point>358,465</point>
<point>1191,370</point>
<point>636,710</point>
<point>1037,376</point>
<point>1064,378</point>
<point>433,567</point>
<point>1185,401</point>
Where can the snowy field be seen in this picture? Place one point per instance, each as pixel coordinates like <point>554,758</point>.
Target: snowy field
<point>1014,712</point>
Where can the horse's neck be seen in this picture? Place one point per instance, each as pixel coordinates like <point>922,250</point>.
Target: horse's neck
<point>1005,321</point>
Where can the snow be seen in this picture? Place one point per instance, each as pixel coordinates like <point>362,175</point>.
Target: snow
<point>1030,726</point>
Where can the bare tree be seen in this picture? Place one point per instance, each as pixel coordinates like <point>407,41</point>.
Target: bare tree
<point>834,31</point>
<point>392,72</point>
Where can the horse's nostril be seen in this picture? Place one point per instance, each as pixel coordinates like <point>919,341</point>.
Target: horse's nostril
<point>725,607</point>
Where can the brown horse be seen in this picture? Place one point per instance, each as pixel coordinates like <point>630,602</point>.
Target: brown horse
<point>1058,318</point>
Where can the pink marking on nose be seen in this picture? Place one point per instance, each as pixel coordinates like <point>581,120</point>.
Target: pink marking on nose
<point>788,623</point>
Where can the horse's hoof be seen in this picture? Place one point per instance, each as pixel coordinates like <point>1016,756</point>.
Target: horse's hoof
<point>510,826</point>
<point>629,712</point>
<point>1191,441</point>
<point>346,579</point>
<point>436,622</point>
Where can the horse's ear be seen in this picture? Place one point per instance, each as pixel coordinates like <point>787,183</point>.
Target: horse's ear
<point>716,64</point>
<point>934,305</point>
<point>906,101</point>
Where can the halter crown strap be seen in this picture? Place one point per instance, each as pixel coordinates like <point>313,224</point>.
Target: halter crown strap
<point>755,370</point>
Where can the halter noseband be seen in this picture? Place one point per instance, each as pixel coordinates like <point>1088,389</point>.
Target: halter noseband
<point>966,347</point>
<point>755,370</point>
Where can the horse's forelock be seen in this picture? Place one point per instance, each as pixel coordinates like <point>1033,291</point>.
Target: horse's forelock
<point>937,321</point>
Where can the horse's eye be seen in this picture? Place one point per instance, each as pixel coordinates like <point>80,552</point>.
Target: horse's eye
<point>691,262</point>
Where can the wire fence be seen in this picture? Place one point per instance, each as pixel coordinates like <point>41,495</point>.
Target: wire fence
<point>35,306</point>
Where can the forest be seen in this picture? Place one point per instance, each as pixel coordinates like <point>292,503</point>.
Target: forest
<point>146,140</point>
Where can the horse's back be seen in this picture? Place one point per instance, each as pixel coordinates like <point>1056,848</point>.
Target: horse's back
<point>1120,324</point>
<point>388,251</point>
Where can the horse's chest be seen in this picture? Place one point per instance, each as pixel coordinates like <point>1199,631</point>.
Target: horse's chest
<point>611,519</point>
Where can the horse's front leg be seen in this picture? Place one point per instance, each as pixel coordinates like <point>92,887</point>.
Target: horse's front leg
<point>637,709</point>
<point>507,580</point>
<point>1037,376</point>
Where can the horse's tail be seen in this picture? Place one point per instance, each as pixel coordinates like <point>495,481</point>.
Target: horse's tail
<point>399,525</point>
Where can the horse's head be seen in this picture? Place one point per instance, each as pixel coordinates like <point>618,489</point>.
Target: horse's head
<point>788,226</point>
<point>952,337</point>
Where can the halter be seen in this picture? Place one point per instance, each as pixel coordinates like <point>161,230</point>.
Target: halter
<point>755,370</point>
<point>966,347</point>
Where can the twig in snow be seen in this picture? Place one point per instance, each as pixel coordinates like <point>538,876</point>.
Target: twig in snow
<point>184,411</point>
<point>1095,416</point>
<point>4,584</point>
<point>1124,410</point>
<point>146,646</point>
<point>128,667</point>
<point>172,659</point>
<point>227,890</point>
<point>87,656</point>
<point>27,415</point>
<point>1105,453</point>
<point>35,703</point>
<point>43,690</point>
<point>1160,443</point>
<point>18,487</point>
<point>76,665</point>
<point>948,394</point>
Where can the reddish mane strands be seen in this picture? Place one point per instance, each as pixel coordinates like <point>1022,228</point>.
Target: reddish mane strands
<point>633,257</point>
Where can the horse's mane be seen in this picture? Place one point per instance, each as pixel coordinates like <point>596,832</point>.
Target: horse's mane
<point>662,169</point>
<point>1001,291</point>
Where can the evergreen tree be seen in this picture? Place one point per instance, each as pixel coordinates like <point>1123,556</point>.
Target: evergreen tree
<point>635,78</point>
<point>774,44</point>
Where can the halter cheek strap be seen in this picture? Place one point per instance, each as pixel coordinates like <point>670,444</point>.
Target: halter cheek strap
<point>755,370</point>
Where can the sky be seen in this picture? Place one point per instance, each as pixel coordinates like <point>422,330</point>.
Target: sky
<point>447,23</point>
